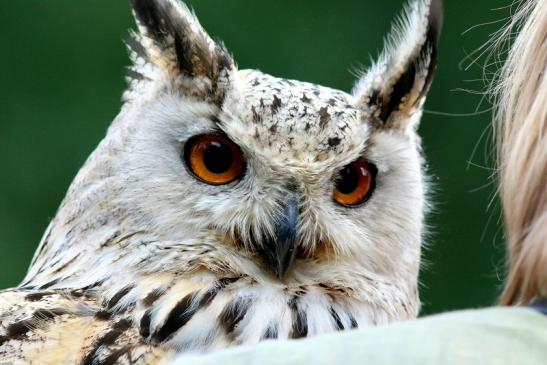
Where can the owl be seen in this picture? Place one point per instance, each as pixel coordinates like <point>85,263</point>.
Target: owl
<point>228,206</point>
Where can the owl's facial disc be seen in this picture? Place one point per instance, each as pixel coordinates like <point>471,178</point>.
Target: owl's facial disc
<point>286,224</point>
<point>214,159</point>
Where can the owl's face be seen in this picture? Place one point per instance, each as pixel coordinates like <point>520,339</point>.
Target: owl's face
<point>278,156</point>
<point>239,172</point>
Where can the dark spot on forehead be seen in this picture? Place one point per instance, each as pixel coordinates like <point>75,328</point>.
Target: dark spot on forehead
<point>288,82</point>
<point>257,118</point>
<point>290,141</point>
<point>335,141</point>
<point>324,117</point>
<point>276,104</point>
<point>305,99</point>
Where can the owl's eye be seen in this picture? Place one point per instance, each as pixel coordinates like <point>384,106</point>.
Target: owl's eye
<point>355,183</point>
<point>214,159</point>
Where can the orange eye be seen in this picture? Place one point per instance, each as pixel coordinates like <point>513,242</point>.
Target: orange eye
<point>355,183</point>
<point>214,159</point>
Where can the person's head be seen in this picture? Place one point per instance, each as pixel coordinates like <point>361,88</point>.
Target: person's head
<point>521,130</point>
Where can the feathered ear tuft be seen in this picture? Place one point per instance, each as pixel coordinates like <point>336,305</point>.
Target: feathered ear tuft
<point>394,88</point>
<point>173,40</point>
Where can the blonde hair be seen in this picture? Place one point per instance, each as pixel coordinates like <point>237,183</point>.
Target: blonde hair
<point>520,117</point>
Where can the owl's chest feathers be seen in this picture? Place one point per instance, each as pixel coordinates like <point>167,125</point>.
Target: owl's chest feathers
<point>200,316</point>
<point>156,316</point>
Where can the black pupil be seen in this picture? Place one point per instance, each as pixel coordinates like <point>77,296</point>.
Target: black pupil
<point>348,180</point>
<point>218,158</point>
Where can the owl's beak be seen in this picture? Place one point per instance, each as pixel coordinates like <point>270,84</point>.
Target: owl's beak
<point>280,252</point>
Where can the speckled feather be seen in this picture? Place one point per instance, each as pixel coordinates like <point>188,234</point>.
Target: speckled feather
<point>143,263</point>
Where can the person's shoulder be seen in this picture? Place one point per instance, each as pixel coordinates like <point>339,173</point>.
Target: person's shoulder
<point>499,335</point>
<point>503,318</point>
<point>491,323</point>
<point>482,336</point>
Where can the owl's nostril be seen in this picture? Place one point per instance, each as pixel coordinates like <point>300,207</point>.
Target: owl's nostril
<point>280,251</point>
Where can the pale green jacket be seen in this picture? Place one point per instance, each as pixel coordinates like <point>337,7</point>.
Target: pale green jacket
<point>495,336</point>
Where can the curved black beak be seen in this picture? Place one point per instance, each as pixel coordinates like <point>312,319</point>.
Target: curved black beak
<point>279,252</point>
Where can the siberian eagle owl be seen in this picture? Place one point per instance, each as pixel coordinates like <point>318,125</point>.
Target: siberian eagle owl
<point>229,206</point>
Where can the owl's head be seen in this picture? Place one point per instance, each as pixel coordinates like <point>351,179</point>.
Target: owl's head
<point>209,166</point>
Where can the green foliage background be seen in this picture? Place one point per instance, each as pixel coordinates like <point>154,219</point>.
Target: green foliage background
<point>61,77</point>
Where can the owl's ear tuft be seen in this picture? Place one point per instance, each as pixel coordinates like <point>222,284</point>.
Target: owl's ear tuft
<point>393,90</point>
<point>174,41</point>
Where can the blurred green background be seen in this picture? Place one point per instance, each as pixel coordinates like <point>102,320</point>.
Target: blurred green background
<point>62,74</point>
